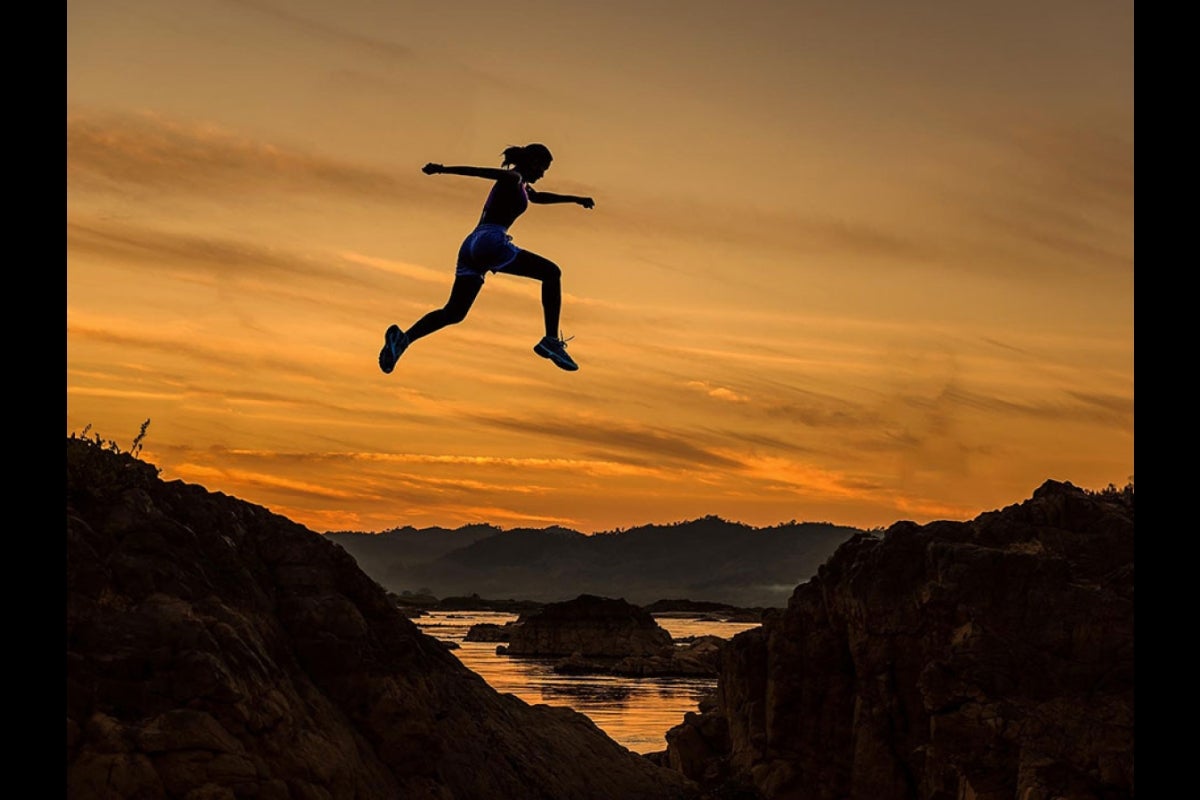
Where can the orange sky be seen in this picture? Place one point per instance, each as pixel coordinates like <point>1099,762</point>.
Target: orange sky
<point>855,262</point>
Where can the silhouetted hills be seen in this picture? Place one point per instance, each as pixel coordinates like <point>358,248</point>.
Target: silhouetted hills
<point>218,650</point>
<point>521,548</point>
<point>418,546</point>
<point>707,559</point>
<point>991,658</point>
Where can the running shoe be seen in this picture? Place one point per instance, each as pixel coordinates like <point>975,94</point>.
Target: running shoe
<point>556,351</point>
<point>394,343</point>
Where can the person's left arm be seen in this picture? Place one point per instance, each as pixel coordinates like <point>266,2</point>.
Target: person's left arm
<point>546,198</point>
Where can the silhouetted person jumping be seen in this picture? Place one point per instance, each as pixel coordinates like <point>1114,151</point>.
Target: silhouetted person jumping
<point>490,248</point>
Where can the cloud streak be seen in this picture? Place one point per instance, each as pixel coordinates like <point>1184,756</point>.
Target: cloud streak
<point>221,259</point>
<point>242,360</point>
<point>1067,189</point>
<point>122,151</point>
<point>1101,409</point>
<point>756,229</point>
<point>389,50</point>
<point>642,444</point>
<point>329,33</point>
<point>718,392</point>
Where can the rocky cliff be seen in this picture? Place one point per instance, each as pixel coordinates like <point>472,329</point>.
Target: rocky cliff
<point>216,651</point>
<point>990,660</point>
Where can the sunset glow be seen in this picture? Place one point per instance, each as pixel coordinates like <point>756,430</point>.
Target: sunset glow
<point>849,262</point>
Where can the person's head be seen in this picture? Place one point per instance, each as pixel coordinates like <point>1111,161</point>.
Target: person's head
<point>531,161</point>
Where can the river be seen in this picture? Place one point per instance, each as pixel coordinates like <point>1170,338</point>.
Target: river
<point>636,712</point>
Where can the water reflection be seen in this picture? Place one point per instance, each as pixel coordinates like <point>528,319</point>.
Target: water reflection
<point>637,712</point>
<point>586,695</point>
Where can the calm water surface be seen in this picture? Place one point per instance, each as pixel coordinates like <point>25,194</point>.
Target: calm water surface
<point>637,712</point>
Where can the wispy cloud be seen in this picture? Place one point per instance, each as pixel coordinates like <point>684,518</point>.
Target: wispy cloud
<point>243,359</point>
<point>360,458</point>
<point>1066,189</point>
<point>388,488</point>
<point>1117,404</point>
<point>825,414</point>
<point>122,151</point>
<point>389,50</point>
<point>229,396</point>
<point>220,258</point>
<point>202,474</point>
<point>771,230</point>
<point>1102,409</point>
<point>326,31</point>
<point>791,475</point>
<point>643,444</point>
<point>1089,165</point>
<point>718,392</point>
<point>762,440</point>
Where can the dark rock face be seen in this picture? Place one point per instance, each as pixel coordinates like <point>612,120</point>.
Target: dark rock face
<point>489,632</point>
<point>988,659</point>
<point>590,626</point>
<point>699,657</point>
<point>217,650</point>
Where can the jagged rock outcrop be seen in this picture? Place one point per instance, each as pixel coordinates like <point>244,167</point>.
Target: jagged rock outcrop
<point>217,650</point>
<point>698,657</point>
<point>489,632</point>
<point>590,626</point>
<point>990,659</point>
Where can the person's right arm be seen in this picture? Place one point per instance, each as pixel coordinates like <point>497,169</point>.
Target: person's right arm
<point>491,173</point>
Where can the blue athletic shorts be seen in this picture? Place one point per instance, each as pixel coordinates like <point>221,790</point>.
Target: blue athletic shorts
<point>487,248</point>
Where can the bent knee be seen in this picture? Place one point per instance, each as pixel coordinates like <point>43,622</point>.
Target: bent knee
<point>553,272</point>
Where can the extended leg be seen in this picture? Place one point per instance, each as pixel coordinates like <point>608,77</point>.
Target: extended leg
<point>531,265</point>
<point>462,296</point>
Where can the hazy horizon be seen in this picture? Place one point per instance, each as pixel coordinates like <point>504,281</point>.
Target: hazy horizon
<point>700,560</point>
<point>617,530</point>
<point>856,263</point>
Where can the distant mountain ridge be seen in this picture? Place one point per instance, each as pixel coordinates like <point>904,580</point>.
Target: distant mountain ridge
<point>420,545</point>
<point>706,559</point>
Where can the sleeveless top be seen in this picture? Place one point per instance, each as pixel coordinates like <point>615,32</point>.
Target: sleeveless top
<point>505,202</point>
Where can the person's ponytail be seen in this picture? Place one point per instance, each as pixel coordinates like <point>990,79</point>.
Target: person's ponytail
<point>512,155</point>
<point>519,156</point>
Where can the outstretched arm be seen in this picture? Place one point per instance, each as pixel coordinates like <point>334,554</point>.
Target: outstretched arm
<point>546,198</point>
<point>491,173</point>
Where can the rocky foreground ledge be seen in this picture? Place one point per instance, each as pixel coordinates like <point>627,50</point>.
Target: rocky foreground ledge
<point>217,651</point>
<point>991,660</point>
